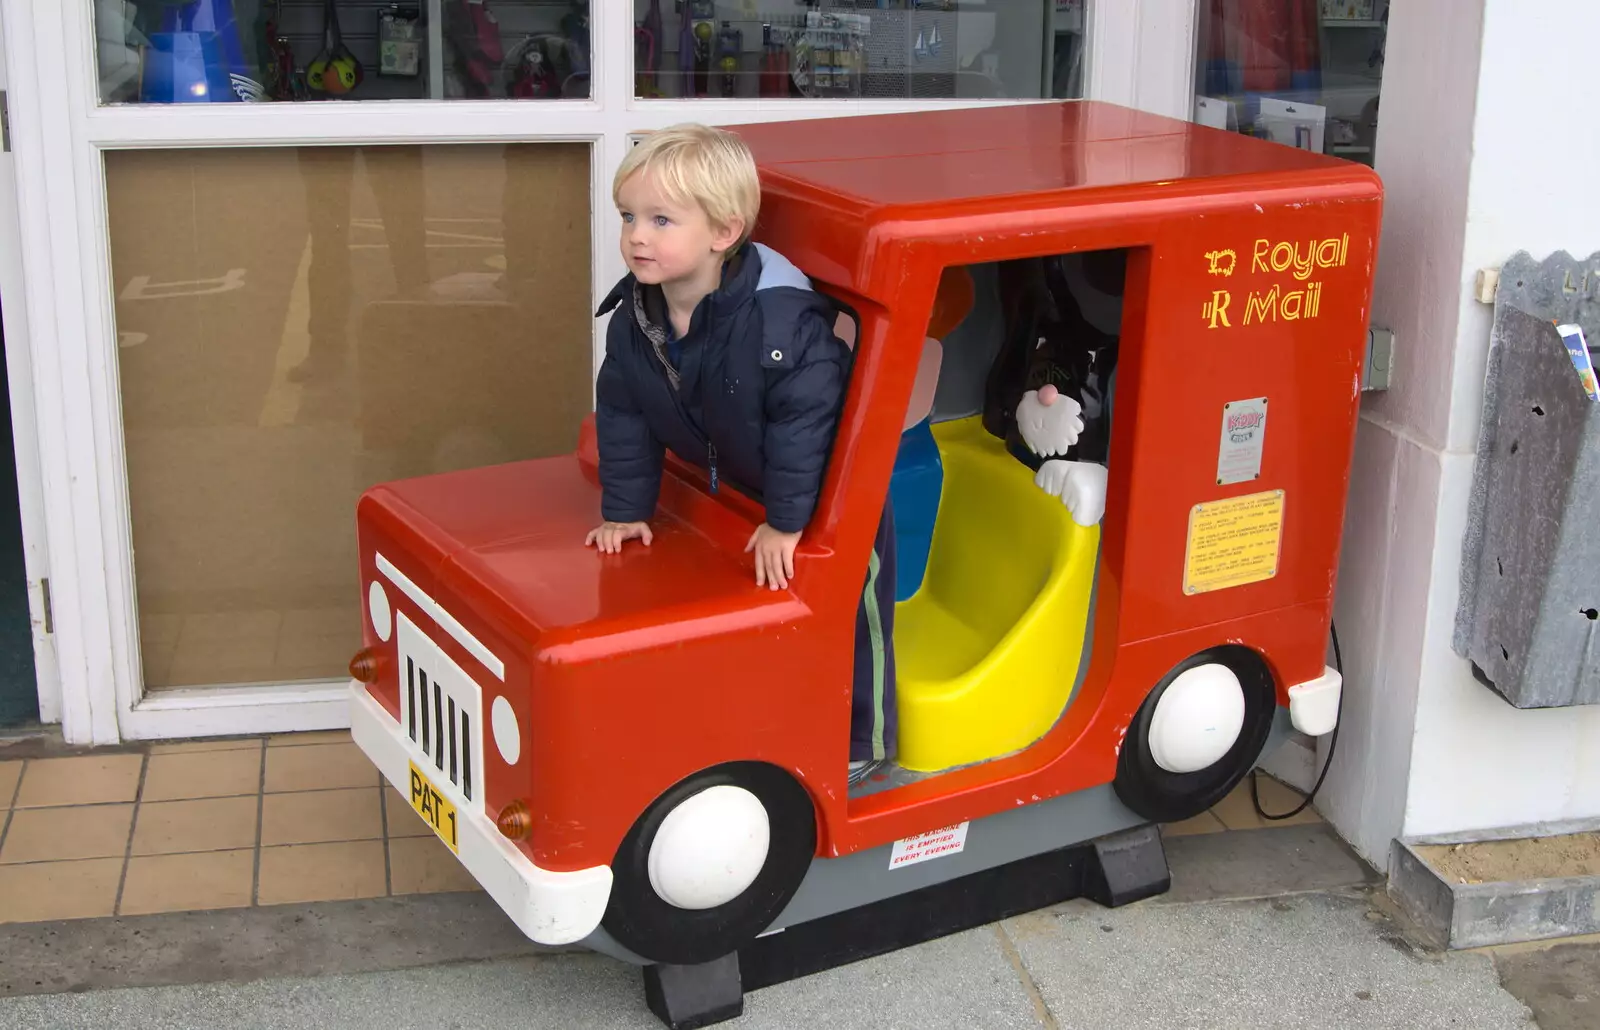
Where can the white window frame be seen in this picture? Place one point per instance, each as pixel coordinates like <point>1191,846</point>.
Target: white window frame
<point>1140,54</point>
<point>19,377</point>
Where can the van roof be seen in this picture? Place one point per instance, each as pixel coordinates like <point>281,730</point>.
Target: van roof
<point>981,184</point>
<point>915,159</point>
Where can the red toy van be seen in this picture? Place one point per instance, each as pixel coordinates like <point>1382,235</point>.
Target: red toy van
<point>578,728</point>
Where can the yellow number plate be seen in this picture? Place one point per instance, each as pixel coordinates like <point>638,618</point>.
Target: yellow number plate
<point>436,810</point>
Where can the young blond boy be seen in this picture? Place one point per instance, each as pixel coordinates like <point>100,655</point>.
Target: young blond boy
<point>726,355</point>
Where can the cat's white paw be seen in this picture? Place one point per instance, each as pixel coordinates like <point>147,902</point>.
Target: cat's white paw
<point>1052,476</point>
<point>1084,491</point>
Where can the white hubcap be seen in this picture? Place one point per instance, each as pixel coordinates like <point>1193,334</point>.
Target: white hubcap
<point>710,848</point>
<point>1197,720</point>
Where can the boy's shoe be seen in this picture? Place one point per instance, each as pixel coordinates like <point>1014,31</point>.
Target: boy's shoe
<point>859,771</point>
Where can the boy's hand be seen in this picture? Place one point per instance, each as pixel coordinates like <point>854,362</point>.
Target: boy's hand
<point>774,556</point>
<point>610,537</point>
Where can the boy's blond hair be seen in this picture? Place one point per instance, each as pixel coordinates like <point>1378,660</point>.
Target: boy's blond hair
<point>697,164</point>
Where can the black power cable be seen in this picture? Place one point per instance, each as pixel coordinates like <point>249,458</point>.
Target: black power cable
<point>1333,745</point>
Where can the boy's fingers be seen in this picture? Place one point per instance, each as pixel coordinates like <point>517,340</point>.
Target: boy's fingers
<point>750,545</point>
<point>646,535</point>
<point>788,563</point>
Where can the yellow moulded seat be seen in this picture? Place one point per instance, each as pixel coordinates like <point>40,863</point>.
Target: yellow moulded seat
<point>987,649</point>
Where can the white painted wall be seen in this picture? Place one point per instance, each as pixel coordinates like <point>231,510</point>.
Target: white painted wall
<point>1479,763</point>
<point>1476,98</point>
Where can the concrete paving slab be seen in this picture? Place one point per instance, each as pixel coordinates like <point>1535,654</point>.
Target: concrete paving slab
<point>1315,960</point>
<point>961,982</point>
<point>251,943</point>
<point>529,994</point>
<point>1561,984</point>
<point>1261,864</point>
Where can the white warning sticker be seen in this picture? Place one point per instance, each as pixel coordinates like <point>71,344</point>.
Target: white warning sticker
<point>924,846</point>
<point>1244,439</point>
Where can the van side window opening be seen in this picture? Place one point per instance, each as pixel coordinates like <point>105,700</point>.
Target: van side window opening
<point>998,490</point>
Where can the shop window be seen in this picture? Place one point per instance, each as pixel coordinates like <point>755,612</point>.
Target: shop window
<point>1301,72</point>
<point>859,49</point>
<point>296,325</point>
<point>226,51</point>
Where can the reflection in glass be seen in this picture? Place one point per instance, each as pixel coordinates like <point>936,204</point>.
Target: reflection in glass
<point>1305,73</point>
<point>227,51</point>
<point>296,325</point>
<point>814,49</point>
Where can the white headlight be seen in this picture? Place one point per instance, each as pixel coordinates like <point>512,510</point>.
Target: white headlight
<point>379,611</point>
<point>507,735</point>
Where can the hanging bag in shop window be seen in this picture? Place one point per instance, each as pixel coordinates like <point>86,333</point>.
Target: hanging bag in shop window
<point>334,70</point>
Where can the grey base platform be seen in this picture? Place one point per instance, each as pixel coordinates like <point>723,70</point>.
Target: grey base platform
<point>1114,870</point>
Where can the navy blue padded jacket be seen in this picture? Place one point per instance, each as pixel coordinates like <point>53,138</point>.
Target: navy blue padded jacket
<point>754,396</point>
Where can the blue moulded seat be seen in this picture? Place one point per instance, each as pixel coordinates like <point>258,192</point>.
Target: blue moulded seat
<point>914,487</point>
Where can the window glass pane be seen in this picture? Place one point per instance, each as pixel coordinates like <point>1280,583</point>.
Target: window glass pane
<point>296,325</point>
<point>226,51</point>
<point>1301,72</point>
<point>876,49</point>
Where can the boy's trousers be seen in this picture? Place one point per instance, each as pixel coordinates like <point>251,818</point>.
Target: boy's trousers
<point>873,722</point>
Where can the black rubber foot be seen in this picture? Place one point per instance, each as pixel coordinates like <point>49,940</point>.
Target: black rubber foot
<point>1112,870</point>
<point>687,997</point>
<point>1128,866</point>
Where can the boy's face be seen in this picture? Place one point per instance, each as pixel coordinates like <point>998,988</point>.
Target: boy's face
<point>666,242</point>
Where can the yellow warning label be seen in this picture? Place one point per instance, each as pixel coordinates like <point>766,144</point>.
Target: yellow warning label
<point>1233,542</point>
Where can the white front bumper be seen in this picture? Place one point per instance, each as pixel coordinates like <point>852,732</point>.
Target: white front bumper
<point>1314,706</point>
<point>549,907</point>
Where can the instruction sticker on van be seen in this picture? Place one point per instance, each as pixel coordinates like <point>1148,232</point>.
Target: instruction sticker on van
<point>939,843</point>
<point>1234,542</point>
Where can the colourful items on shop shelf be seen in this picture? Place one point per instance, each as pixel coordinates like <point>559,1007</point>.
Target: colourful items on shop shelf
<point>197,57</point>
<point>1257,46</point>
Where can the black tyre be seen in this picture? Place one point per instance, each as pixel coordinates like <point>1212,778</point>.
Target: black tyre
<point>640,919</point>
<point>1163,796</point>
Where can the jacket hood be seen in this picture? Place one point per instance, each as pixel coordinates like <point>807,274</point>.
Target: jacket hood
<point>759,268</point>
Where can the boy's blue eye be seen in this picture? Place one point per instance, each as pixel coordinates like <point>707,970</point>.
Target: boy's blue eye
<point>663,220</point>
<point>627,217</point>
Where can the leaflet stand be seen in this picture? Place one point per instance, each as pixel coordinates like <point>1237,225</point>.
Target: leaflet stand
<point>1529,600</point>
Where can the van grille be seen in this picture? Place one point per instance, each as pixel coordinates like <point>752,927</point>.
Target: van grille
<point>442,710</point>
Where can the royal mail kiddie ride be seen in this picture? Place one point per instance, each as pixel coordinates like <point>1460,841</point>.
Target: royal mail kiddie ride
<point>646,753</point>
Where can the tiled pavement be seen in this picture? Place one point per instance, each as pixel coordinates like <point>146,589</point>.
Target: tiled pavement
<point>208,825</point>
